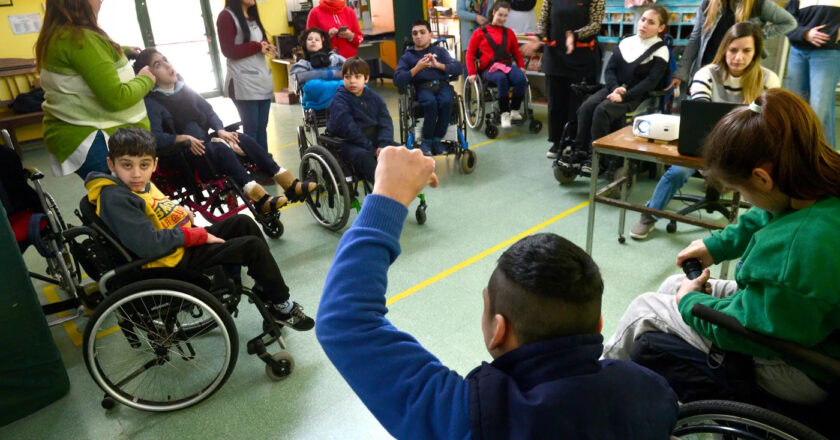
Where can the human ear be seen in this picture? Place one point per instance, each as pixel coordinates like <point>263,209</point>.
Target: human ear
<point>499,330</point>
<point>761,179</point>
<point>111,165</point>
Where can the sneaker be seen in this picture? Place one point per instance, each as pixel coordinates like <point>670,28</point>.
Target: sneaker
<point>641,230</point>
<point>505,117</point>
<point>426,149</point>
<point>295,319</point>
<point>552,152</point>
<point>586,166</point>
<point>515,115</point>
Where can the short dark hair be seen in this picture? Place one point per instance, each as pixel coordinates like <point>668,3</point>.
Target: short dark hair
<point>547,287</point>
<point>143,59</point>
<point>424,23</point>
<point>325,37</point>
<point>131,141</point>
<point>354,66</point>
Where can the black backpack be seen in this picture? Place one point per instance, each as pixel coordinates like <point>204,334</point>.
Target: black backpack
<point>523,5</point>
<point>28,102</point>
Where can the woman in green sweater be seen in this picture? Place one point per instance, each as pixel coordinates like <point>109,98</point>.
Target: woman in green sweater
<point>786,281</point>
<point>90,88</point>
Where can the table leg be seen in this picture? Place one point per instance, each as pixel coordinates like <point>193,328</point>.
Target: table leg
<point>593,186</point>
<point>733,218</point>
<point>622,214</point>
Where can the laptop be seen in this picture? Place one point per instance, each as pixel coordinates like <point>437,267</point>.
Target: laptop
<point>697,119</point>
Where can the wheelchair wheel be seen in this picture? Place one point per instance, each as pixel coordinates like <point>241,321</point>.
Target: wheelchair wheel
<point>137,351</point>
<point>563,173</point>
<point>62,266</point>
<point>404,116</point>
<point>330,202</point>
<point>420,215</point>
<point>468,160</point>
<point>284,365</point>
<point>303,144</point>
<point>491,131</point>
<point>473,94</point>
<point>273,228</point>
<point>535,126</point>
<point>725,419</point>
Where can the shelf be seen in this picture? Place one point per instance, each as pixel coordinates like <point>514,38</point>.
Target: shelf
<point>534,73</point>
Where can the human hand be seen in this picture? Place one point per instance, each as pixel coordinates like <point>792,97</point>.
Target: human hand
<point>570,42</point>
<point>332,32</point>
<point>190,214</point>
<point>471,78</point>
<point>347,35</point>
<point>378,150</point>
<point>815,37</point>
<point>699,284</point>
<point>402,173</point>
<point>135,51</point>
<point>620,90</point>
<point>615,97</point>
<point>481,20</point>
<point>212,239</point>
<point>531,48</point>
<point>697,249</point>
<point>147,71</point>
<point>231,138</point>
<point>675,83</point>
<point>269,49</point>
<point>196,146</point>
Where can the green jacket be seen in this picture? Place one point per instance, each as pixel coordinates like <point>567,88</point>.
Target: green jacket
<point>788,279</point>
<point>88,87</point>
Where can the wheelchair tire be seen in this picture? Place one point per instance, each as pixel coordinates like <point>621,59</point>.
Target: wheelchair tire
<point>563,174</point>
<point>330,202</point>
<point>273,228</point>
<point>535,126</point>
<point>136,349</point>
<point>283,368</point>
<point>491,131</point>
<point>737,420</point>
<point>671,227</point>
<point>473,95</point>
<point>468,161</point>
<point>420,215</point>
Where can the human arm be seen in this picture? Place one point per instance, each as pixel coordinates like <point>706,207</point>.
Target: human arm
<point>157,114</point>
<point>331,73</point>
<point>731,242</point>
<point>643,87</point>
<point>472,47</point>
<point>404,71</point>
<point>611,71</point>
<point>775,20</point>
<point>353,34</point>
<point>700,88</point>
<point>226,29</point>
<point>513,48</point>
<point>692,47</point>
<point>596,14</point>
<point>451,66</point>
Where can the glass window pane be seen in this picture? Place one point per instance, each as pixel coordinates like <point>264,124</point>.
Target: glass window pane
<point>118,18</point>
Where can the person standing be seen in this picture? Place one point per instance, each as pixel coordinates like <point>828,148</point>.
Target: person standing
<point>471,15</point>
<point>568,31</point>
<point>814,60</point>
<point>248,82</point>
<point>340,22</point>
<point>89,87</point>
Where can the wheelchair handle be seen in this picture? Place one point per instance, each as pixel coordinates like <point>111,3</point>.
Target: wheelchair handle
<point>786,348</point>
<point>33,173</point>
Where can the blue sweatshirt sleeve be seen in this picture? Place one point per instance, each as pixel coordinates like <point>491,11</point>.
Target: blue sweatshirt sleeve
<point>402,76</point>
<point>406,388</point>
<point>453,67</point>
<point>385,135</point>
<point>156,114</point>
<point>341,123</point>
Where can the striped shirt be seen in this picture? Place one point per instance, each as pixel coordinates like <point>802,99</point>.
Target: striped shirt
<point>709,84</point>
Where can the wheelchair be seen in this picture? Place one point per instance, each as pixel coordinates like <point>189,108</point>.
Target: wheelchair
<point>477,95</point>
<point>740,420</point>
<point>158,339</point>
<point>205,191</point>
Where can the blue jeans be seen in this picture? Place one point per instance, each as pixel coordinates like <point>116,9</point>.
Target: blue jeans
<point>671,181</point>
<point>813,74</point>
<point>437,110</point>
<point>503,81</point>
<point>254,115</point>
<point>96,157</point>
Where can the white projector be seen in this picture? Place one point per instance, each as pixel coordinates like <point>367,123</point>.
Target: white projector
<point>657,126</point>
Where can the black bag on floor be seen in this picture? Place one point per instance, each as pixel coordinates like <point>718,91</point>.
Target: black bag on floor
<point>29,102</point>
<point>692,374</point>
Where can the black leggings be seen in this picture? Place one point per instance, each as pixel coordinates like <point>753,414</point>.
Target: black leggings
<point>562,103</point>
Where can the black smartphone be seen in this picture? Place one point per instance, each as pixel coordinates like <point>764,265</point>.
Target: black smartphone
<point>342,29</point>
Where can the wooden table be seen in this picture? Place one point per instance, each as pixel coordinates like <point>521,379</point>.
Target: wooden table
<point>624,144</point>
<point>10,69</point>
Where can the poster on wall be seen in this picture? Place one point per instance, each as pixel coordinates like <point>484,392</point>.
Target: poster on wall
<point>25,23</point>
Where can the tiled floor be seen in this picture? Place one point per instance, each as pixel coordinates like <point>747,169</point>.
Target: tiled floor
<point>511,191</point>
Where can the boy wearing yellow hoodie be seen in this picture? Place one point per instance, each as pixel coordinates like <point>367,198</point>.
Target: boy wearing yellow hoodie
<point>148,223</point>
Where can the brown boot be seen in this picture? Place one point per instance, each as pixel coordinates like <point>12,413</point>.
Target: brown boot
<point>299,190</point>
<point>264,202</point>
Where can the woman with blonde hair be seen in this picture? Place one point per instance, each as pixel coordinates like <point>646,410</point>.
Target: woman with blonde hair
<point>89,87</point>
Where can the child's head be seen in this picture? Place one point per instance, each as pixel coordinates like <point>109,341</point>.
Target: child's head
<point>772,151</point>
<point>652,22</point>
<point>165,74</point>
<point>355,73</point>
<point>499,13</point>
<point>313,39</point>
<point>544,287</point>
<point>421,34</point>
<point>132,156</point>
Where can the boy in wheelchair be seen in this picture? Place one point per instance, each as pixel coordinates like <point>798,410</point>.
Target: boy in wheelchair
<point>148,223</point>
<point>177,114</point>
<point>638,65</point>
<point>428,67</point>
<point>360,117</point>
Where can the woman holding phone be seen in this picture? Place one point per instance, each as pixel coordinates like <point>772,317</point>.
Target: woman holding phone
<point>340,22</point>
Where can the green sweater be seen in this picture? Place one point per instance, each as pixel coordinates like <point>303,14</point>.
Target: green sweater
<point>788,279</point>
<point>88,86</point>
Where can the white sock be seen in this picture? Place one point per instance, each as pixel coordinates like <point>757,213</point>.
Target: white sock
<point>285,307</point>
<point>249,186</point>
<point>280,171</point>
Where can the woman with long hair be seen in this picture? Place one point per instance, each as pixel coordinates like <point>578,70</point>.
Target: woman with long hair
<point>339,22</point>
<point>316,58</point>
<point>775,154</point>
<point>90,89</point>
<point>735,76</point>
<point>249,84</point>
<point>714,18</point>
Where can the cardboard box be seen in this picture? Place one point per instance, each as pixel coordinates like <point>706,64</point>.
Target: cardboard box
<point>286,96</point>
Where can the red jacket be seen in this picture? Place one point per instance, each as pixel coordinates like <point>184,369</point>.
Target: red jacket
<point>479,42</point>
<point>226,28</point>
<point>320,19</point>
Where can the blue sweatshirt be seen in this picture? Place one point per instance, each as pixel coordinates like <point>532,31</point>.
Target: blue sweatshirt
<point>810,14</point>
<point>409,59</point>
<point>182,112</point>
<point>352,116</point>
<point>550,389</point>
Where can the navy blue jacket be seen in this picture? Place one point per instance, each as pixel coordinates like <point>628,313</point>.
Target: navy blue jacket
<point>552,389</point>
<point>409,59</point>
<point>196,115</point>
<point>352,116</point>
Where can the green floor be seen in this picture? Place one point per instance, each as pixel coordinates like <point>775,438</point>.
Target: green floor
<point>445,263</point>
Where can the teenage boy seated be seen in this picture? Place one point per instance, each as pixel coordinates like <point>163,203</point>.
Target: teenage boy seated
<point>540,323</point>
<point>148,223</point>
<point>177,113</point>
<point>361,118</point>
<point>428,67</point>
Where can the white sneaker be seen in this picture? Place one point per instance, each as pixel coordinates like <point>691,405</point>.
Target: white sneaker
<point>515,115</point>
<point>505,120</point>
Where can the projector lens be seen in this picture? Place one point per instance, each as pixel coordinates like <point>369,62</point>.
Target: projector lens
<point>644,127</point>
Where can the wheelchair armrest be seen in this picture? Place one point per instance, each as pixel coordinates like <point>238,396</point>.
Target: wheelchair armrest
<point>126,268</point>
<point>33,173</point>
<point>330,141</point>
<point>786,348</point>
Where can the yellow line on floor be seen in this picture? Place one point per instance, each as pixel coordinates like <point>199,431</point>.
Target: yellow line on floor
<point>490,141</point>
<point>69,326</point>
<point>417,287</point>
